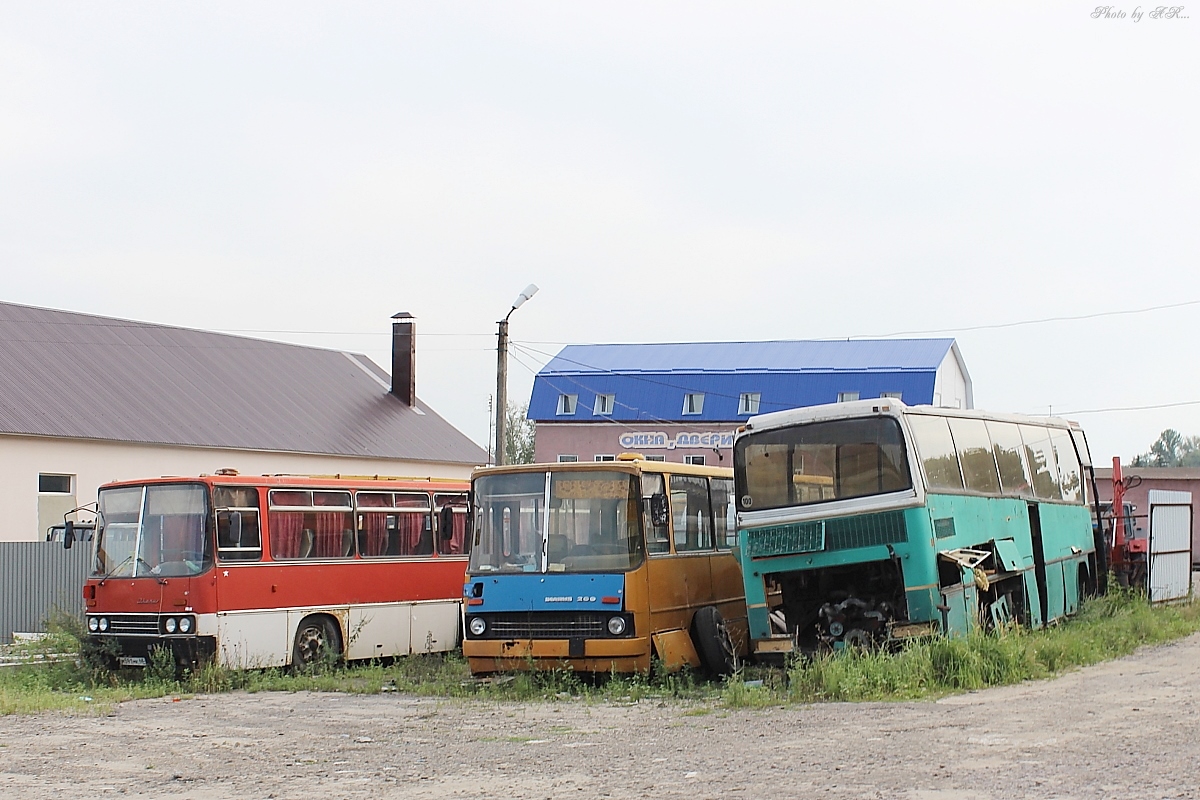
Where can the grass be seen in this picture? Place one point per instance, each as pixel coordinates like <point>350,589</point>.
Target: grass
<point>1106,628</point>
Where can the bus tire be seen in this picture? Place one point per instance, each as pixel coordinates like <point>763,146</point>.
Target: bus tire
<point>317,639</point>
<point>713,642</point>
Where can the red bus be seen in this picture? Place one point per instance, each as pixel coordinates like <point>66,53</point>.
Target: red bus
<point>277,570</point>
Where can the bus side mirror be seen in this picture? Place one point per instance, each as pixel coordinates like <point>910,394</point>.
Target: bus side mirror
<point>446,523</point>
<point>235,528</point>
<point>658,509</point>
<point>68,534</point>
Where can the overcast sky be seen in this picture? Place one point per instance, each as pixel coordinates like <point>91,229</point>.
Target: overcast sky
<point>664,172</point>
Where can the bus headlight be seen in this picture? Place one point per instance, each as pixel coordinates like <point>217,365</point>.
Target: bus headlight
<point>616,626</point>
<point>185,624</point>
<point>477,626</point>
<point>103,624</point>
<point>170,625</point>
<point>93,624</point>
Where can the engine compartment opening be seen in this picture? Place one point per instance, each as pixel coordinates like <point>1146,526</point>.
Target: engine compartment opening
<point>834,607</point>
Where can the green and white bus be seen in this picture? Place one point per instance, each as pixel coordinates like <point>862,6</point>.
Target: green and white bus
<point>871,521</point>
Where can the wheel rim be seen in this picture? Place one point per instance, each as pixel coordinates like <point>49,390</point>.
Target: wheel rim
<point>310,642</point>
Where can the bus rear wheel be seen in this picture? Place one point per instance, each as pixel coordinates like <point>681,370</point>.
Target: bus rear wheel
<point>713,643</point>
<point>317,640</point>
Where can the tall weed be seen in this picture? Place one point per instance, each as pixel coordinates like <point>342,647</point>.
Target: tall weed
<point>1106,627</point>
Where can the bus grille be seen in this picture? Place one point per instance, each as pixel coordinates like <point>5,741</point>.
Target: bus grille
<point>865,531</point>
<point>832,534</point>
<point>800,537</point>
<point>132,624</point>
<point>547,625</point>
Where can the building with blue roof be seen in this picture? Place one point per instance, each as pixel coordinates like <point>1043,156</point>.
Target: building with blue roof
<point>682,401</point>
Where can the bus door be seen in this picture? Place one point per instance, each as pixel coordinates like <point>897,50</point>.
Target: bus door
<point>1039,562</point>
<point>692,536</point>
<point>727,587</point>
<point>667,594</point>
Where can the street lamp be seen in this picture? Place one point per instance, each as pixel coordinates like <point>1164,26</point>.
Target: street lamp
<point>502,372</point>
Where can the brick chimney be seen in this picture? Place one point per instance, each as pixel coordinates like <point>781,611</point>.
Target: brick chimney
<point>404,357</point>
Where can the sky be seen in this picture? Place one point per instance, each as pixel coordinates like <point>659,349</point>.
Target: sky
<point>664,172</point>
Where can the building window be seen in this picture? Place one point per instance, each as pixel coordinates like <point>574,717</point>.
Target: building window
<point>604,458</point>
<point>55,484</point>
<point>892,395</point>
<point>656,458</point>
<point>697,460</point>
<point>846,397</point>
<point>567,404</point>
<point>693,403</point>
<point>567,459</point>
<point>604,404</point>
<point>748,404</point>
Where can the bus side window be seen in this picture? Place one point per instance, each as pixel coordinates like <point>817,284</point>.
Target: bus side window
<point>453,523</point>
<point>238,534</point>
<point>657,538</point>
<point>723,512</point>
<point>692,515</point>
<point>238,537</point>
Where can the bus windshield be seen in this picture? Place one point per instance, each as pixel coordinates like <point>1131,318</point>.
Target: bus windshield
<point>145,531</point>
<point>820,461</point>
<point>592,522</point>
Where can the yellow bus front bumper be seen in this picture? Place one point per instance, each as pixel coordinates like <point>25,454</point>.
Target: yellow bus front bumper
<point>599,655</point>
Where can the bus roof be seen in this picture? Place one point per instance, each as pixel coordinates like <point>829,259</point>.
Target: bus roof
<point>889,406</point>
<point>232,478</point>
<point>631,463</point>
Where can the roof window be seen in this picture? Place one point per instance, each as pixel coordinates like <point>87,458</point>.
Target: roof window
<point>749,402</point>
<point>693,403</point>
<point>567,404</point>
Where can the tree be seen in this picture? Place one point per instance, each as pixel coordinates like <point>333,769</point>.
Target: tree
<point>1171,450</point>
<point>518,435</point>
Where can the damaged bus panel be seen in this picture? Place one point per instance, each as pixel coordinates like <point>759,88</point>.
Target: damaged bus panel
<point>870,522</point>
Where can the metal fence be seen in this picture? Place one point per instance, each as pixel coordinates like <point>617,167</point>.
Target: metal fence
<point>36,578</point>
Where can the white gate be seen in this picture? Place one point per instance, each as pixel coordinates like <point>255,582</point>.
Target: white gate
<point>1170,545</point>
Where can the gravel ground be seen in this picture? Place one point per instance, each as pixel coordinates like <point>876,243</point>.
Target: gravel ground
<point>1126,729</point>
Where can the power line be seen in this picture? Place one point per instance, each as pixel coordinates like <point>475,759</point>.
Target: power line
<point>340,333</point>
<point>1031,321</point>
<point>93,322</point>
<point>1134,408</point>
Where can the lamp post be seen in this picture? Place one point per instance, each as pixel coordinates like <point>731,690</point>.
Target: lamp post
<point>502,372</point>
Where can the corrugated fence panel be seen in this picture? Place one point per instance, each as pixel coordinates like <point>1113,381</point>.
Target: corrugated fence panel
<point>35,579</point>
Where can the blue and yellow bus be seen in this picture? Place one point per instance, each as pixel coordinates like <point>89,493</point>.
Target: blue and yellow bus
<point>871,521</point>
<point>600,566</point>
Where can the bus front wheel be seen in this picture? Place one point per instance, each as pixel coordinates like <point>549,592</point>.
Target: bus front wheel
<point>713,642</point>
<point>317,639</point>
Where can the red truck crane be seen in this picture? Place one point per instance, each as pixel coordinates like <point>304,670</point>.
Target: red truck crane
<point>1127,553</point>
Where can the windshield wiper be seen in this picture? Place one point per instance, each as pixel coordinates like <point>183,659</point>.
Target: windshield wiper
<point>140,560</point>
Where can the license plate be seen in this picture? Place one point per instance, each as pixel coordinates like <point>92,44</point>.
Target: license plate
<point>132,661</point>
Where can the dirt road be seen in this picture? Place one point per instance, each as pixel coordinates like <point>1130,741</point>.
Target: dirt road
<point>1127,729</point>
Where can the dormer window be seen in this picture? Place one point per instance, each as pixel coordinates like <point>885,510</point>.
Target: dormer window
<point>749,402</point>
<point>604,404</point>
<point>693,403</point>
<point>847,397</point>
<point>567,404</point>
